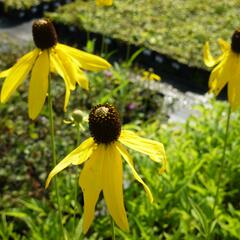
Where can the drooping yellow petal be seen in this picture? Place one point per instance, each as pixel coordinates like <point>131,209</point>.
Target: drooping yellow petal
<point>70,68</point>
<point>61,69</point>
<point>234,82</point>
<point>86,60</point>
<point>220,75</point>
<point>5,73</point>
<point>17,74</point>
<point>150,76</point>
<point>84,151</point>
<point>77,156</point>
<point>103,2</point>
<point>55,62</point>
<point>209,60</point>
<point>91,183</point>
<point>153,149</point>
<point>82,80</point>
<point>74,72</point>
<point>129,160</point>
<point>113,186</point>
<point>224,46</point>
<point>213,79</point>
<point>38,86</point>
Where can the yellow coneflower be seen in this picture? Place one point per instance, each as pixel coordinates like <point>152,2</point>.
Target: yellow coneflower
<point>104,2</point>
<point>49,56</point>
<point>151,76</point>
<point>103,163</point>
<point>227,69</point>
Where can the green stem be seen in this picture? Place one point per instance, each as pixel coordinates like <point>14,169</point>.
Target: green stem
<point>103,46</point>
<point>112,228</point>
<point>223,160</point>
<point>53,149</point>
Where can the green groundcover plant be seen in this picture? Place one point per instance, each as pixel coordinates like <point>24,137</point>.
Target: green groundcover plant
<point>177,29</point>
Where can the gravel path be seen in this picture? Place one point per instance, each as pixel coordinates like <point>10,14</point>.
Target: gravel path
<point>21,31</point>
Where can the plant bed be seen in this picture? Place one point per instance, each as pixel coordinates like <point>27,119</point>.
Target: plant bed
<point>182,76</point>
<point>26,10</point>
<point>177,29</point>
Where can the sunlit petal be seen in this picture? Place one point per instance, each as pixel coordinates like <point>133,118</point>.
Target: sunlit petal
<point>91,183</point>
<point>224,46</point>
<point>113,186</point>
<point>86,60</point>
<point>103,2</point>
<point>209,60</point>
<point>5,73</point>
<point>214,84</point>
<point>55,62</point>
<point>17,74</point>
<point>77,156</point>
<point>222,74</point>
<point>233,83</point>
<point>129,160</point>
<point>38,86</point>
<point>82,80</point>
<point>84,151</point>
<point>70,68</point>
<point>60,69</point>
<point>153,149</point>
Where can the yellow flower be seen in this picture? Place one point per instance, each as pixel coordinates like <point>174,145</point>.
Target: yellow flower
<point>227,69</point>
<point>103,2</point>
<point>49,56</point>
<point>102,154</point>
<point>150,76</point>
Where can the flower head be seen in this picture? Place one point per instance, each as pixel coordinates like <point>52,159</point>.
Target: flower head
<point>150,76</point>
<point>102,154</point>
<point>227,69</point>
<point>48,56</point>
<point>103,2</point>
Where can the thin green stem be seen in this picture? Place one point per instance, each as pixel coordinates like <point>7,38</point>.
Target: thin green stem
<point>53,149</point>
<point>112,228</point>
<point>103,45</point>
<point>223,161</point>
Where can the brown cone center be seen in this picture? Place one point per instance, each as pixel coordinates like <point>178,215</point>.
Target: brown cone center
<point>44,34</point>
<point>235,45</point>
<point>104,123</point>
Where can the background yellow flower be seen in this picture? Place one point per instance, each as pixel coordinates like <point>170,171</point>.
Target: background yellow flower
<point>49,56</point>
<point>104,2</point>
<point>227,69</point>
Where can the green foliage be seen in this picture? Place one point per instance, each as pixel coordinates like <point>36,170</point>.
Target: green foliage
<point>183,196</point>
<point>175,28</point>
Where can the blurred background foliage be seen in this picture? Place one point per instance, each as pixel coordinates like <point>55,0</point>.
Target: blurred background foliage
<point>176,28</point>
<point>184,195</point>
